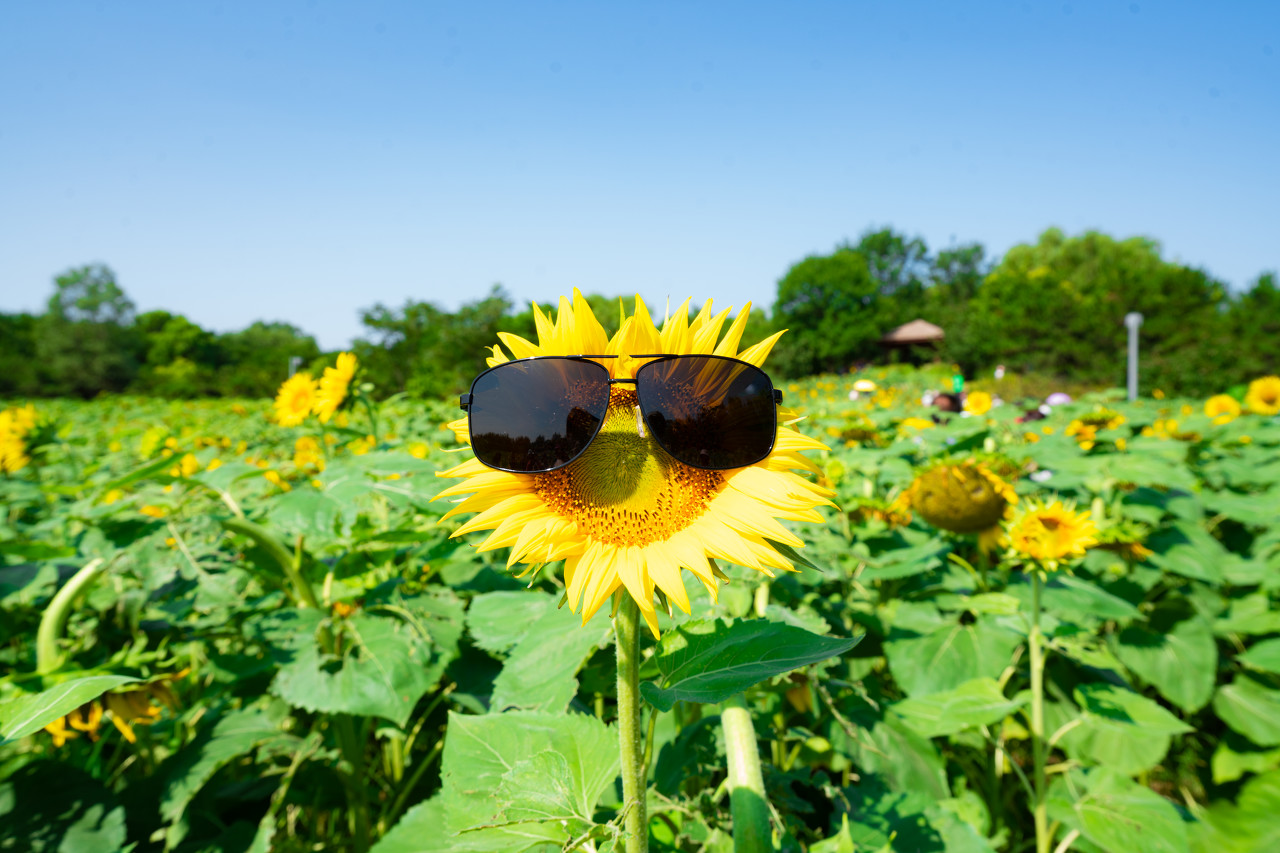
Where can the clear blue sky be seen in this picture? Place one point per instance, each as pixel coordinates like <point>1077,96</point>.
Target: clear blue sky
<point>278,160</point>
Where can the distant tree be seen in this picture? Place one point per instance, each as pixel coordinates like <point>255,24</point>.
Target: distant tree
<point>180,359</point>
<point>256,359</point>
<point>830,306</point>
<point>85,338</point>
<point>21,373</point>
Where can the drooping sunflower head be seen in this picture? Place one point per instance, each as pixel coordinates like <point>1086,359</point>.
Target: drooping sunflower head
<point>295,399</point>
<point>961,497</point>
<point>1263,396</point>
<point>625,514</point>
<point>1051,531</point>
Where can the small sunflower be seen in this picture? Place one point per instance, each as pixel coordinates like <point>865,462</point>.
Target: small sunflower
<point>977,402</point>
<point>625,515</point>
<point>295,399</point>
<point>1263,396</point>
<point>333,386</point>
<point>1051,531</point>
<point>15,425</point>
<point>1222,408</point>
<point>915,423</point>
<point>962,497</point>
<point>307,453</point>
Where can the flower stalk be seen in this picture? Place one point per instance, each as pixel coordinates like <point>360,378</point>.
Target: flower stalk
<point>748,802</point>
<point>631,747</point>
<point>54,619</point>
<point>1034,645</point>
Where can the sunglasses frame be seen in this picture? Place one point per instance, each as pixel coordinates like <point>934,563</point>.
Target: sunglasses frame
<point>464,402</point>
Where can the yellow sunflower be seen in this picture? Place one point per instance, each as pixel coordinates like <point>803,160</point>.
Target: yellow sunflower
<point>977,402</point>
<point>625,514</point>
<point>15,423</point>
<point>295,400</point>
<point>333,386</point>
<point>1263,396</point>
<point>1051,531</point>
<point>1222,408</point>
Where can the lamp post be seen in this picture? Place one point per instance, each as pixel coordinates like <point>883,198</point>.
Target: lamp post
<point>1133,320</point>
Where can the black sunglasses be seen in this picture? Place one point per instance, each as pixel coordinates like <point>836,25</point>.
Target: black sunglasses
<point>535,415</point>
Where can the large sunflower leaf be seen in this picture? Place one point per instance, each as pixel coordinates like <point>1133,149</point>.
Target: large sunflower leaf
<point>26,714</point>
<point>499,620</point>
<point>949,656</point>
<point>419,831</point>
<point>541,673</point>
<point>526,778</point>
<point>974,703</point>
<point>386,669</point>
<point>1250,709</point>
<point>1116,813</point>
<point>1182,664</point>
<point>1120,729</point>
<point>709,661</point>
<point>1247,826</point>
<point>1264,656</point>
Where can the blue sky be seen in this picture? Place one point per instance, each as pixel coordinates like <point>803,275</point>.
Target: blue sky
<point>236,161</point>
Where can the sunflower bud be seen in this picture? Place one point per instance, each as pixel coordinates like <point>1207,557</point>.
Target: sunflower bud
<point>965,497</point>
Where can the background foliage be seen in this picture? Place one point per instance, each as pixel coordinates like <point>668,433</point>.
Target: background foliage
<point>1052,308</point>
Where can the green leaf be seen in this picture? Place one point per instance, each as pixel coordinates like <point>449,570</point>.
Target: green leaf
<point>908,762</point>
<point>1189,550</point>
<point>1116,813</point>
<point>905,562</point>
<point>1073,596</point>
<point>709,661</point>
<point>1257,510</point>
<point>541,673</point>
<point>234,735</point>
<point>1250,709</point>
<point>1264,656</point>
<point>499,620</point>
<point>951,655</point>
<point>1247,826</point>
<point>1120,729</point>
<point>27,714</point>
<point>975,703</point>
<point>535,771</point>
<point>50,807</point>
<point>385,670</point>
<point>420,831</point>
<point>1182,664</point>
<point>1230,763</point>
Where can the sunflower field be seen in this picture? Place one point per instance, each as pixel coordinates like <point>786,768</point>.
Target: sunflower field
<point>268,625</point>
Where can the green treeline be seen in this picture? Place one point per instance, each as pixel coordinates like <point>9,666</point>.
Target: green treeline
<point>1055,307</point>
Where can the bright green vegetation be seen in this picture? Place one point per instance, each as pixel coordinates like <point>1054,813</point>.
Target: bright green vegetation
<point>319,667</point>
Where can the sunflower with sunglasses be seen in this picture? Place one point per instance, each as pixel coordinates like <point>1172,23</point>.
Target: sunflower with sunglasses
<point>633,457</point>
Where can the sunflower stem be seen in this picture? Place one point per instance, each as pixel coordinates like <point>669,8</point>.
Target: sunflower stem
<point>631,747</point>
<point>750,806</point>
<point>54,619</point>
<point>1036,650</point>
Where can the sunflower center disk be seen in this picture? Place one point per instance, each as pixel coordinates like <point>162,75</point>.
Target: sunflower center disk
<point>625,490</point>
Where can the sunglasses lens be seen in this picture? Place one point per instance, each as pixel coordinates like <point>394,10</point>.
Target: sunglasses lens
<point>536,415</point>
<point>709,412</point>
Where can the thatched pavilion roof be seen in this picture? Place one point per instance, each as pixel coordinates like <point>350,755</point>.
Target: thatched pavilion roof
<point>915,332</point>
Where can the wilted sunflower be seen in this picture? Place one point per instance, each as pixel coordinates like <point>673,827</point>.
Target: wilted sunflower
<point>1263,396</point>
<point>624,513</point>
<point>962,497</point>
<point>127,708</point>
<point>1222,408</point>
<point>333,386</point>
<point>1052,531</point>
<point>295,399</point>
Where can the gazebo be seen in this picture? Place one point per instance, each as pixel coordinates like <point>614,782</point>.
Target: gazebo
<point>916,333</point>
